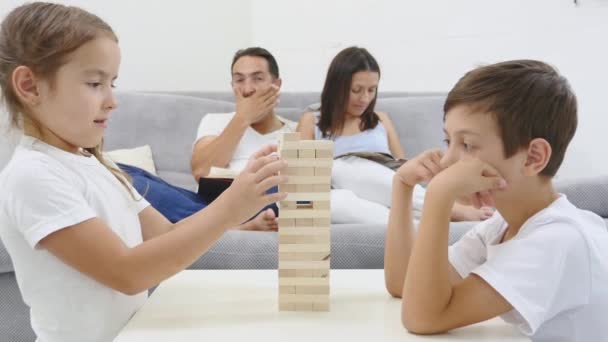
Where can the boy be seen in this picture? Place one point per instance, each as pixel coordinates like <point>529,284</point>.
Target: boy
<point>539,262</point>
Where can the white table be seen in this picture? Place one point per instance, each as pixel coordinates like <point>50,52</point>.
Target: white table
<point>229,305</point>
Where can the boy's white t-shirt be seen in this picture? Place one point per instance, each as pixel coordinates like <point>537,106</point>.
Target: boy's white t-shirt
<point>554,272</point>
<point>45,189</point>
<point>214,124</point>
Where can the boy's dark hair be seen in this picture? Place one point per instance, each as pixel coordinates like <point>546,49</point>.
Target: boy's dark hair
<point>273,67</point>
<point>336,91</point>
<point>529,99</point>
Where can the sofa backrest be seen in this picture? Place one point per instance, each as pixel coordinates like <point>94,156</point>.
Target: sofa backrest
<point>168,123</point>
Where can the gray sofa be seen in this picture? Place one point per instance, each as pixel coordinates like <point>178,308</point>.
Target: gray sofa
<point>168,123</point>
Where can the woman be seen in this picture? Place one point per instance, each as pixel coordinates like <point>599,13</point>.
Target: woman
<point>348,117</point>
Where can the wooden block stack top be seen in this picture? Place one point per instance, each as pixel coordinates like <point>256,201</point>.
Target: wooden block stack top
<point>304,221</point>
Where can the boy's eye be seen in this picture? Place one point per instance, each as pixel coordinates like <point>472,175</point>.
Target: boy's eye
<point>446,142</point>
<point>94,84</point>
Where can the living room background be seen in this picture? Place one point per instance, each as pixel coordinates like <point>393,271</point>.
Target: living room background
<point>421,46</point>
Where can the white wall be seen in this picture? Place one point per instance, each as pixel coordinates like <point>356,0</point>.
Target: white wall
<point>428,45</point>
<point>420,45</point>
<point>172,45</point>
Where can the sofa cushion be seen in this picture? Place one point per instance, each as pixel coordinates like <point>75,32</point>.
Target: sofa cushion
<point>140,157</point>
<point>589,193</point>
<point>6,265</point>
<point>419,121</point>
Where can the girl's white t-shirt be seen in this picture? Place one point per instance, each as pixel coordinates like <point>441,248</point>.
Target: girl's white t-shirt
<point>45,189</point>
<point>554,272</point>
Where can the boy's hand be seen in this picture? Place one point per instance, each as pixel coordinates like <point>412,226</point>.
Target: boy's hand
<point>420,169</point>
<point>469,179</point>
<point>247,194</point>
<point>253,108</point>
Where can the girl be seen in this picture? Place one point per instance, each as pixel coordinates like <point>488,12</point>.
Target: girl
<point>85,246</point>
<point>347,116</point>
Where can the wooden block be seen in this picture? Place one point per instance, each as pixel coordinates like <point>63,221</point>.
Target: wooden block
<point>288,205</point>
<point>322,171</point>
<point>303,298</point>
<point>295,136</point>
<point>306,153</point>
<point>304,222</point>
<point>303,306</point>
<point>321,221</point>
<point>321,273</point>
<point>286,222</point>
<point>304,188</point>
<point>321,188</point>
<point>287,306</point>
<point>304,239</point>
<point>320,305</point>
<point>309,162</point>
<point>291,171</point>
<point>308,196</point>
<point>324,154</point>
<point>286,274</point>
<point>309,180</point>
<point>324,145</point>
<point>289,290</point>
<point>304,265</point>
<point>321,232</point>
<point>305,171</point>
<point>307,213</point>
<point>304,273</point>
<point>289,188</point>
<point>320,205</point>
<point>320,290</point>
<point>304,248</point>
<point>318,256</point>
<point>304,282</point>
<point>288,154</point>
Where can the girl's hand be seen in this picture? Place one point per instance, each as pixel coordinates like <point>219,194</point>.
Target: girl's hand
<point>247,194</point>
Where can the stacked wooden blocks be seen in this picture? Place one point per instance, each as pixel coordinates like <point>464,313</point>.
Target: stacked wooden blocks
<point>304,223</point>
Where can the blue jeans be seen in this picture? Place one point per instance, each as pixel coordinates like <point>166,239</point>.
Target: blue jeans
<point>173,202</point>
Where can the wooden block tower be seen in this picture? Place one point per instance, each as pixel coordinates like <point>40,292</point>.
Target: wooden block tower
<point>304,222</point>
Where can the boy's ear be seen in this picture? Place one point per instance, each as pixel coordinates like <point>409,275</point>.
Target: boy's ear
<point>539,154</point>
<point>25,85</point>
<point>278,82</point>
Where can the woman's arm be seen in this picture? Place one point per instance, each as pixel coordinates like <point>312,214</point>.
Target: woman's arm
<point>393,138</point>
<point>306,126</point>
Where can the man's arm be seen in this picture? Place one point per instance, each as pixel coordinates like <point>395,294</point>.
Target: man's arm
<point>218,150</point>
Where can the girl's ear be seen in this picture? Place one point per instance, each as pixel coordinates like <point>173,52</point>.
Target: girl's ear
<point>25,85</point>
<point>539,154</point>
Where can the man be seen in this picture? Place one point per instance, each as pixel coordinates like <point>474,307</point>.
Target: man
<point>227,140</point>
